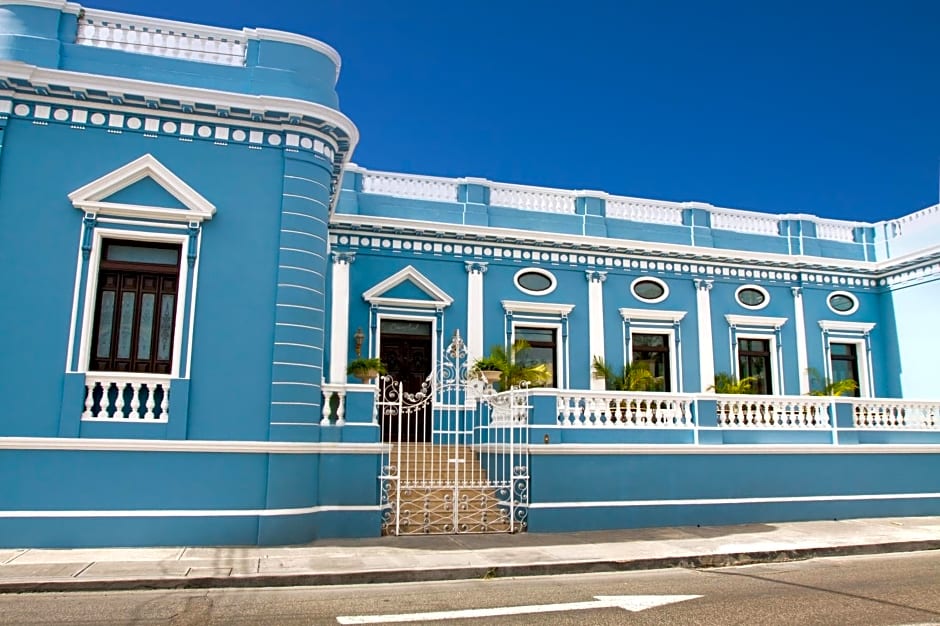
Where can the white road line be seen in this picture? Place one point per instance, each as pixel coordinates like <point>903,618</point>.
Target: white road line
<point>628,603</point>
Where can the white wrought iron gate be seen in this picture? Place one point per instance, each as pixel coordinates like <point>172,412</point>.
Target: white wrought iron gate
<point>456,459</point>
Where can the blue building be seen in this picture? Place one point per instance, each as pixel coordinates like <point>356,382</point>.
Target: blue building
<point>194,263</point>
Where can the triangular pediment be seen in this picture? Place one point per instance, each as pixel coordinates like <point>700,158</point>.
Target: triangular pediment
<point>143,188</point>
<point>407,288</point>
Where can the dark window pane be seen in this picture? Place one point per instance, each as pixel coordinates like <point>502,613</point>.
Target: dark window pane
<point>165,338</point>
<point>644,340</point>
<point>648,290</point>
<point>406,327</point>
<point>105,321</point>
<point>145,327</point>
<point>842,349</point>
<point>751,297</point>
<point>534,281</point>
<point>126,328</point>
<point>142,254</point>
<point>841,303</point>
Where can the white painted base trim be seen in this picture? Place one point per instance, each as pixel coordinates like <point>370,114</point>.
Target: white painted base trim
<point>190,512</point>
<point>161,445</point>
<point>564,449</point>
<point>712,501</point>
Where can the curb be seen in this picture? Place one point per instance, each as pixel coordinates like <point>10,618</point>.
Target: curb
<point>460,573</point>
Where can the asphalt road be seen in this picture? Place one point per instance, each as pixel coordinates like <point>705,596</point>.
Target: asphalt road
<point>887,589</point>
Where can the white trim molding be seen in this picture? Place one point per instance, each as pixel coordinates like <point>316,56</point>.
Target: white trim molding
<point>539,308</point>
<point>756,321</point>
<point>191,445</point>
<point>91,197</point>
<point>651,315</point>
<point>846,327</point>
<point>439,299</point>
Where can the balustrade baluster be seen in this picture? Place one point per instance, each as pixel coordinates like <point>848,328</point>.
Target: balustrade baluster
<point>135,401</point>
<point>89,399</point>
<point>150,403</point>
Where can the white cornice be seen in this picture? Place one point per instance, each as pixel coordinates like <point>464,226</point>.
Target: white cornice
<point>157,91</point>
<point>846,327</point>
<point>755,320</point>
<point>161,445</point>
<point>598,245</point>
<point>652,314</point>
<point>61,5</point>
<point>544,308</point>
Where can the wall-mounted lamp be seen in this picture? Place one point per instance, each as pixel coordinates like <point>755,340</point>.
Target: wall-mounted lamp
<point>358,338</point>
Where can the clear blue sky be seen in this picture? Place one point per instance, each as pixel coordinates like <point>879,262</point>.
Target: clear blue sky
<point>826,107</point>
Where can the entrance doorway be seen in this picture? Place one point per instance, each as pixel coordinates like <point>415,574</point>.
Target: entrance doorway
<point>406,350</point>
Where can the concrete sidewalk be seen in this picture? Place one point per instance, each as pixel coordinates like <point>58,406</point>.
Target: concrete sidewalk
<point>449,557</point>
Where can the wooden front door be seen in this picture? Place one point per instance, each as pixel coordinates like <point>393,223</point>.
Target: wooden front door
<point>405,348</point>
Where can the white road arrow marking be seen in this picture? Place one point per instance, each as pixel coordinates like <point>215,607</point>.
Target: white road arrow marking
<point>629,603</point>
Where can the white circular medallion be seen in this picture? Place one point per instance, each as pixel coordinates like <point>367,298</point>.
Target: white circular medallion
<point>134,123</point>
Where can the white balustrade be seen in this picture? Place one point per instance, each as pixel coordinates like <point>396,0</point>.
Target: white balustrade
<point>621,409</point>
<point>334,404</point>
<point>532,198</point>
<point>887,414</point>
<point>835,231</point>
<point>774,412</point>
<point>744,222</point>
<point>415,187</point>
<point>646,211</point>
<point>925,218</point>
<point>108,395</point>
<point>155,37</point>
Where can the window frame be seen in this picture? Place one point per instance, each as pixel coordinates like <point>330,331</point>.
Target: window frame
<point>185,295</point>
<point>772,379</point>
<point>861,375</point>
<point>752,307</point>
<point>850,296</point>
<point>535,270</point>
<point>651,279</point>
<point>559,367</point>
<point>122,269</point>
<point>670,385</point>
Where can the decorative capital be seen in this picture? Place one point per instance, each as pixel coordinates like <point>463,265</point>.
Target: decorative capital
<point>704,284</point>
<point>594,276</point>
<point>476,267</point>
<point>343,258</point>
<point>797,292</point>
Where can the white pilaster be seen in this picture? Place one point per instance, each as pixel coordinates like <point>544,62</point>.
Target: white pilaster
<point>705,345</point>
<point>339,316</point>
<point>475,271</point>
<point>801,359</point>
<point>595,322</point>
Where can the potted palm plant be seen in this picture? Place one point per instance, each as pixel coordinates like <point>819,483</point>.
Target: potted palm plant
<point>824,386</point>
<point>635,376</point>
<point>512,367</point>
<point>726,383</point>
<point>365,369</point>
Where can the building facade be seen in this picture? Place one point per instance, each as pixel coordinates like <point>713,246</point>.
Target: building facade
<point>195,261</point>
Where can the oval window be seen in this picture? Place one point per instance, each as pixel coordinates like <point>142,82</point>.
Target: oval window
<point>649,290</point>
<point>535,282</point>
<point>752,297</point>
<point>842,303</point>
